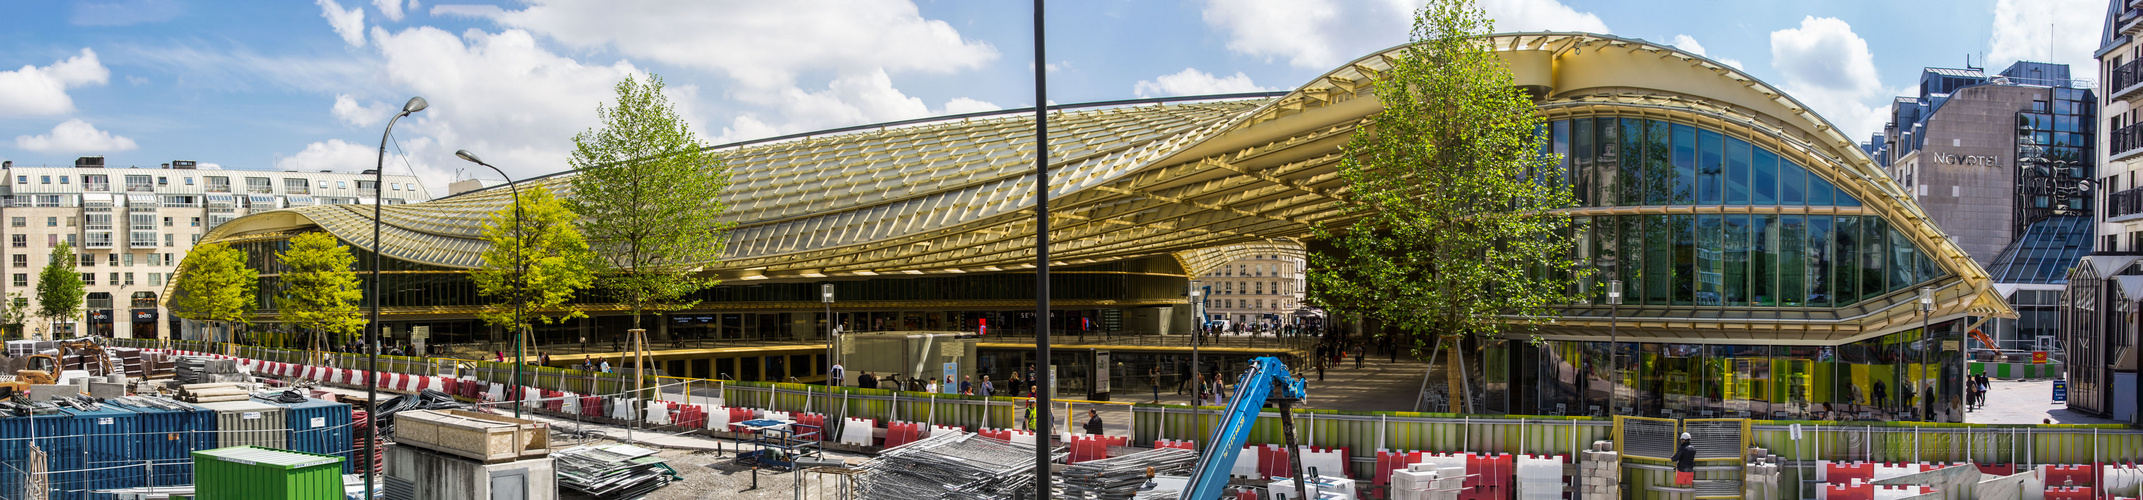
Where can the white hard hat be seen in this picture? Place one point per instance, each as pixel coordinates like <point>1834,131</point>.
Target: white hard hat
<point>1685,435</point>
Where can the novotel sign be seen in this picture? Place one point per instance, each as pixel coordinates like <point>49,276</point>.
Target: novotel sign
<point>1972,160</point>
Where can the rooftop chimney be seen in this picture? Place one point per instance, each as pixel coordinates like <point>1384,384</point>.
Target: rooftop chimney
<point>89,162</point>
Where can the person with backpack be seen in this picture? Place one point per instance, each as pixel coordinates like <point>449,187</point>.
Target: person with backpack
<point>1685,462</point>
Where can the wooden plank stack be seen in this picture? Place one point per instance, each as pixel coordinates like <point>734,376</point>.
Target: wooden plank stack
<point>214,392</point>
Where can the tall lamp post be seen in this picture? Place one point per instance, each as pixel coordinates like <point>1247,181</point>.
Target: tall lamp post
<point>1614,341</point>
<point>1927,315</point>
<point>520,282</point>
<point>1041,404</point>
<point>379,178</point>
<point>826,295</point>
<point>1198,293</point>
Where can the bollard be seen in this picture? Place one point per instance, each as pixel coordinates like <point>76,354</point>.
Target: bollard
<point>755,480</point>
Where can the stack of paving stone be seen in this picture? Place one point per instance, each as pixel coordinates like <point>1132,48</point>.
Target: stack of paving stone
<point>1761,475</point>
<point>1600,471</point>
<point>1119,478</point>
<point>130,363</point>
<point>613,471</point>
<point>203,370</point>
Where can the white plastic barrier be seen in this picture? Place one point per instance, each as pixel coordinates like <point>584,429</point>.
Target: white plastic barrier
<point>856,431</point>
<point>531,394</point>
<point>1889,470</point>
<point>2122,479</point>
<point>777,415</point>
<point>658,413</point>
<point>498,393</point>
<point>718,417</point>
<point>1328,462</point>
<point>572,405</point>
<point>1539,477</point>
<point>935,429</point>
<point>1246,463</point>
<point>621,410</point>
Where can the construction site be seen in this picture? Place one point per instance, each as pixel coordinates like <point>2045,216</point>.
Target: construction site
<point>87,419</point>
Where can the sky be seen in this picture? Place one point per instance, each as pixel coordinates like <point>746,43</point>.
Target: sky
<point>292,85</point>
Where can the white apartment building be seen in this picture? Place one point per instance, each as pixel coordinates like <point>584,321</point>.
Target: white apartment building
<point>1261,289</point>
<point>130,226</point>
<point>2120,148</point>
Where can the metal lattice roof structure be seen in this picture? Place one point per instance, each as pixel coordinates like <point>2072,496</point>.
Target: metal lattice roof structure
<point>1197,179</point>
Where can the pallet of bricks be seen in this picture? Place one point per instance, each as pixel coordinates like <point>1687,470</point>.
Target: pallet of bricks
<point>215,392</point>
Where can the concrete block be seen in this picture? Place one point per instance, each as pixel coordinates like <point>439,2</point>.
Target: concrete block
<point>47,392</point>
<point>103,390</point>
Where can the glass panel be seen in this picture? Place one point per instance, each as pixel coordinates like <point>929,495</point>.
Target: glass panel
<point>1792,263</point>
<point>1763,177</point>
<point>1792,183</point>
<point>1736,256</point>
<point>1659,242</point>
<point>1845,274</point>
<point>1581,243</point>
<point>1685,163</point>
<point>1608,165</point>
<point>1820,192</point>
<point>1684,259</point>
<point>1927,269</point>
<point>1818,255</point>
<point>1634,162</point>
<point>1902,254</point>
<point>1560,131</point>
<point>1763,260</point>
<point>1737,172</point>
<point>1874,232</point>
<point>1632,258</point>
<point>1607,243</point>
<point>1710,234</point>
<point>1660,179</point>
<point>1582,162</point>
<point>1709,167</point>
<point>1581,145</point>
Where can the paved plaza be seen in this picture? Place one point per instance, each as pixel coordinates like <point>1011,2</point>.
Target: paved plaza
<point>2028,402</point>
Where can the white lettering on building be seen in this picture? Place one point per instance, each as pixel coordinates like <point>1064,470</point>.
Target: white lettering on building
<point>1971,160</point>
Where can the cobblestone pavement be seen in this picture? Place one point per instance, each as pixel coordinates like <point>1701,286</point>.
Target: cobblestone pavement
<point>2027,402</point>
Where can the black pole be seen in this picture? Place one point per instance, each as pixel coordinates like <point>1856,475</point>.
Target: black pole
<point>379,197</point>
<point>520,283</point>
<point>1041,261</point>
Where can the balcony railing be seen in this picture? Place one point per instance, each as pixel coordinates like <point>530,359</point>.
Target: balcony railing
<point>2126,202</point>
<point>96,186</point>
<point>2124,140</point>
<point>219,188</point>
<point>2124,76</point>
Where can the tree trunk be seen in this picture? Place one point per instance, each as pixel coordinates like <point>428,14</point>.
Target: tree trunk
<point>1455,375</point>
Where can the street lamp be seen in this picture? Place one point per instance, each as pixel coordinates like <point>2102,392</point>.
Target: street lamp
<point>1614,339</point>
<point>379,178</point>
<point>826,296</point>
<point>520,282</point>
<point>1198,293</point>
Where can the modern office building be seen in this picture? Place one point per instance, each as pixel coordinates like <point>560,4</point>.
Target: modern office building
<point>2098,311</point>
<point>130,226</point>
<point>1773,267</point>
<point>2005,163</point>
<point>1263,289</point>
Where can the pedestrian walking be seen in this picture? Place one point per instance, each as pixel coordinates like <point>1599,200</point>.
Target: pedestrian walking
<point>933,387</point>
<point>867,381</point>
<point>1685,462</point>
<point>1093,422</point>
<point>1155,375</point>
<point>835,373</point>
<point>1183,375</point>
<point>967,385</point>
<point>546,357</point>
<point>1360,351</point>
<point>987,388</point>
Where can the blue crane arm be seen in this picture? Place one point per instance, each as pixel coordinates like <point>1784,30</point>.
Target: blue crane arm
<point>1265,375</point>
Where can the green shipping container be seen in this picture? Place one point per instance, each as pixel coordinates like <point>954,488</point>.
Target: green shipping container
<point>252,472</point>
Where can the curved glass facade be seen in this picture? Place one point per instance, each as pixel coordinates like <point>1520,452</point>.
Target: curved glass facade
<point>1787,259</point>
<point>1636,162</point>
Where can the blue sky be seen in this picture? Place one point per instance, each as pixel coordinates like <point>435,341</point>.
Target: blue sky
<point>309,85</point>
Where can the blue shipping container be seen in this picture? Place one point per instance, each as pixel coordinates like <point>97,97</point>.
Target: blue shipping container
<point>169,438</point>
<point>110,437</point>
<point>321,427</point>
<point>62,453</point>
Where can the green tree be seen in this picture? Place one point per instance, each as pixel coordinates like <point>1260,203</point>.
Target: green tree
<point>1453,229</point>
<point>320,288</point>
<point>650,196</point>
<point>559,262</point>
<point>13,313</point>
<point>216,286</point>
<point>59,288</point>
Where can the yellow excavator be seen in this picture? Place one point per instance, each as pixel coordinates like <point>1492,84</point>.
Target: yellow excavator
<point>44,369</point>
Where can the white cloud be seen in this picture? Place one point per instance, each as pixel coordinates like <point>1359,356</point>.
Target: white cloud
<point>74,136</point>
<point>1322,34</point>
<point>1190,81</point>
<point>390,9</point>
<point>367,115</point>
<point>334,154</point>
<point>849,100</point>
<point>1688,43</point>
<point>2024,30</point>
<point>1540,15</point>
<point>1829,68</point>
<point>348,23</point>
<point>959,105</point>
<point>34,90</point>
<point>763,45</point>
